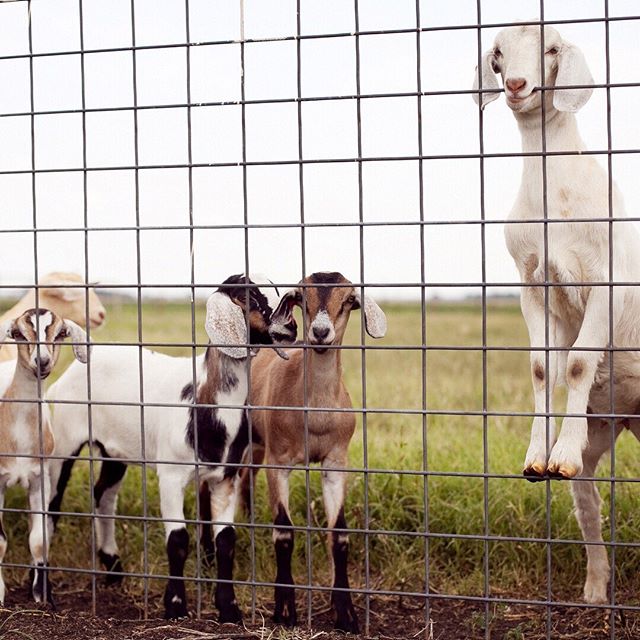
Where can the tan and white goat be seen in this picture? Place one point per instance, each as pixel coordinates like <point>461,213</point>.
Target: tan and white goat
<point>25,430</point>
<point>327,300</point>
<point>56,295</point>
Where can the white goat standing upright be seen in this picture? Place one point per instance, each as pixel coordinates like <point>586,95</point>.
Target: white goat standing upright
<point>25,434</point>
<point>577,261</point>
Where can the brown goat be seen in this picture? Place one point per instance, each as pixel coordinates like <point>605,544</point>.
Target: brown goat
<point>25,430</point>
<point>327,300</point>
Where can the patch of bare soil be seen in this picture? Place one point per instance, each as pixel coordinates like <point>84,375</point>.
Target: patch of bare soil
<point>119,617</point>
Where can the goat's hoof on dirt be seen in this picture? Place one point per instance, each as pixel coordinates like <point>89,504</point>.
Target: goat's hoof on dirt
<point>41,587</point>
<point>230,614</point>
<point>113,566</point>
<point>287,620</point>
<point>595,593</point>
<point>175,609</point>
<point>348,623</point>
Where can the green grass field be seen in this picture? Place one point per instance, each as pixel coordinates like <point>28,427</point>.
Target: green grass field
<point>394,442</point>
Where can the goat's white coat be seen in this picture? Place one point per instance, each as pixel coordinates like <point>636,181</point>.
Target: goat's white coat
<point>162,438</point>
<point>578,252</point>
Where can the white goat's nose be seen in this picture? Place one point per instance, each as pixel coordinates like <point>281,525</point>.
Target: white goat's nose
<point>515,84</point>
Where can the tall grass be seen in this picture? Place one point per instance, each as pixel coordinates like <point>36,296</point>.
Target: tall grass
<point>394,442</point>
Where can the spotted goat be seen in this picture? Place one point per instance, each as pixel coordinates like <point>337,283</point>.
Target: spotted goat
<point>26,438</point>
<point>214,436</point>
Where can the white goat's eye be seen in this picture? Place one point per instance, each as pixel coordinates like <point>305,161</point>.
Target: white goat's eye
<point>16,335</point>
<point>553,51</point>
<point>497,52</point>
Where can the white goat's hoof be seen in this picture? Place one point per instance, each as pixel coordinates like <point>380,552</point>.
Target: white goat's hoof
<point>535,471</point>
<point>565,461</point>
<point>595,591</point>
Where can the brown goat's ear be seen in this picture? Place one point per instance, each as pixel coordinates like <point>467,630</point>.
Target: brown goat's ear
<point>78,338</point>
<point>283,312</point>
<point>226,326</point>
<point>374,319</point>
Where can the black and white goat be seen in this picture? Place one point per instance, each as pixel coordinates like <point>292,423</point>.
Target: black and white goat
<point>173,438</point>
<point>25,433</point>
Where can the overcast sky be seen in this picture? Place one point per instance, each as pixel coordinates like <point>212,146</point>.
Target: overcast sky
<point>329,131</point>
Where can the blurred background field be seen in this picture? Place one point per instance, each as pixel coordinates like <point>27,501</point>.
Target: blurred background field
<point>398,504</point>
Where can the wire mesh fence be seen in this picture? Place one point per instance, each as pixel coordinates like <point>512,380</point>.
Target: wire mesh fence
<point>164,147</point>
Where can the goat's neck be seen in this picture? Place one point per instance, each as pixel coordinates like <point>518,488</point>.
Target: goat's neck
<point>224,375</point>
<point>324,373</point>
<point>23,387</point>
<point>560,132</point>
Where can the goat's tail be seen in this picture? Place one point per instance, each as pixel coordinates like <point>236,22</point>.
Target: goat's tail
<point>248,476</point>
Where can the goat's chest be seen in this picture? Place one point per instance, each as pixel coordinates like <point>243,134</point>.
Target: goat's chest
<point>220,432</point>
<point>18,442</point>
<point>576,253</point>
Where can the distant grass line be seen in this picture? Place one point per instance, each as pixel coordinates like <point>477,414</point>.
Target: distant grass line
<point>394,442</point>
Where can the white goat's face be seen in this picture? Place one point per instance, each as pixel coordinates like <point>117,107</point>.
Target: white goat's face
<point>517,57</point>
<point>71,301</point>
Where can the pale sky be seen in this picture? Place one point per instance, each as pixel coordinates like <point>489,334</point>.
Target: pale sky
<point>329,131</point>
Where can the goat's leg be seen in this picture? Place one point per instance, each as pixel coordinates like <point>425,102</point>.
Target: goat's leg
<point>285,598</point>
<point>3,543</point>
<point>224,498</point>
<point>206,537</point>
<point>59,474</point>
<point>172,485</point>
<point>533,311</point>
<point>587,503</point>
<point>333,493</point>
<point>39,490</point>
<point>248,476</point>
<point>105,494</point>
<point>566,456</point>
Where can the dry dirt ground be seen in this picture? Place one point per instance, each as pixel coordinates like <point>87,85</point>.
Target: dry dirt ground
<point>119,617</point>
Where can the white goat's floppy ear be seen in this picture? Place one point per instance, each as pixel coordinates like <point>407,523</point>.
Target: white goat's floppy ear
<point>375,322</point>
<point>225,325</point>
<point>77,336</point>
<point>572,70</point>
<point>489,81</point>
<point>67,294</point>
<point>6,329</point>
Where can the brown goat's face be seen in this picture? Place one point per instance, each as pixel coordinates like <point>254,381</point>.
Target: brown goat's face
<point>38,334</point>
<point>327,309</point>
<point>38,326</point>
<point>326,298</point>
